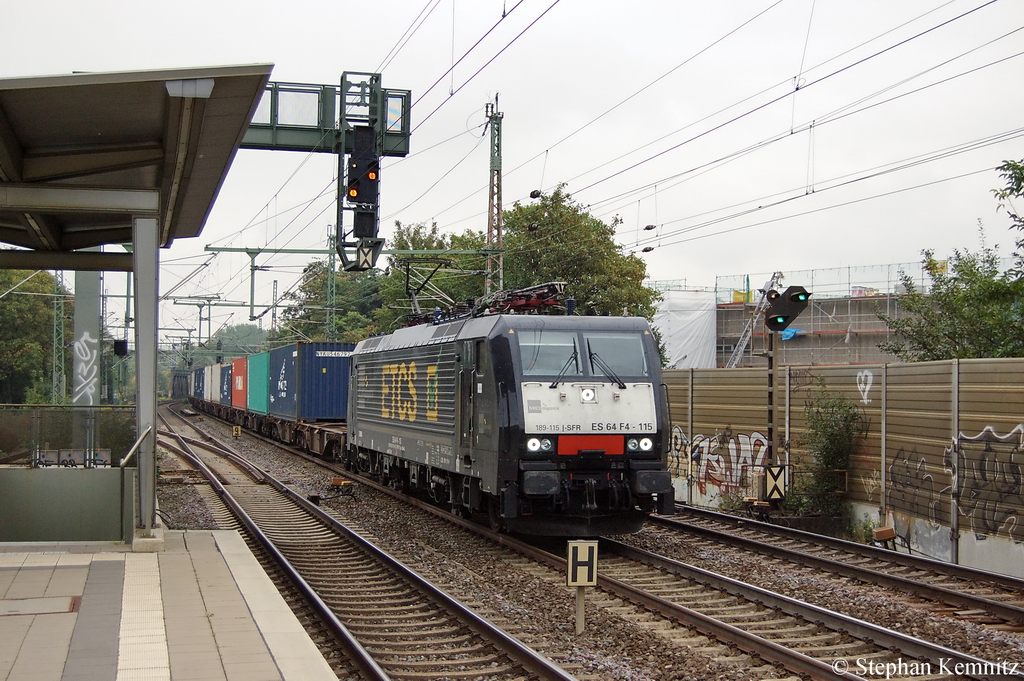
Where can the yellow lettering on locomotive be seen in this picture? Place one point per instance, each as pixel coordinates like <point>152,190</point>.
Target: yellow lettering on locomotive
<point>385,390</point>
<point>398,391</point>
<point>406,403</point>
<point>413,402</point>
<point>432,392</point>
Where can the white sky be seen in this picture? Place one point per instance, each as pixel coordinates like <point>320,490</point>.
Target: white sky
<point>885,84</point>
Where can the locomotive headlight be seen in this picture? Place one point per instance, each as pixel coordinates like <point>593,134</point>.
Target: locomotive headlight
<point>538,444</point>
<point>646,444</point>
<point>632,444</point>
<point>588,395</point>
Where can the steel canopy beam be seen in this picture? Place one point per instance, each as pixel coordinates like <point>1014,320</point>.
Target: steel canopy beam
<point>66,260</point>
<point>54,199</point>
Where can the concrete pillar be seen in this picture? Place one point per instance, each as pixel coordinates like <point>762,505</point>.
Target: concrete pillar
<point>85,382</point>
<point>146,256</point>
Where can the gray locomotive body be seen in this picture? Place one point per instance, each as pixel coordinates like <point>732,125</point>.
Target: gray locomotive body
<point>553,425</point>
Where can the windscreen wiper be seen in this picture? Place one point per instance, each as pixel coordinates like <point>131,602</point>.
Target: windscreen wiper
<point>594,357</point>
<point>572,359</point>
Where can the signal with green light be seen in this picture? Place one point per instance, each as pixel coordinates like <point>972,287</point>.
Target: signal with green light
<point>785,307</point>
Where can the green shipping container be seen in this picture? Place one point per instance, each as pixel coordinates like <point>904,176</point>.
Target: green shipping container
<point>258,401</point>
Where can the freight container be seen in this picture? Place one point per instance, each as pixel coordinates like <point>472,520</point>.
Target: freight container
<point>198,382</point>
<point>215,383</point>
<point>225,384</point>
<point>209,385</point>
<point>309,381</point>
<point>239,383</point>
<point>258,382</point>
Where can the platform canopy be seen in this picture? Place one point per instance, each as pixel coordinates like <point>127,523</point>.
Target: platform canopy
<point>82,154</point>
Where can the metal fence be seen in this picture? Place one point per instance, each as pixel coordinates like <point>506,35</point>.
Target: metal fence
<point>67,436</point>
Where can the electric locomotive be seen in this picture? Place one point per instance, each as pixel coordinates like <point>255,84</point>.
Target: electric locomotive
<point>552,425</point>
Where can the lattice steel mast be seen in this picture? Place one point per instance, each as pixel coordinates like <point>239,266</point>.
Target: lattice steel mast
<point>495,221</point>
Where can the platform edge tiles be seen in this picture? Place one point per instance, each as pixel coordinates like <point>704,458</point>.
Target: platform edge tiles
<point>296,655</point>
<point>202,609</point>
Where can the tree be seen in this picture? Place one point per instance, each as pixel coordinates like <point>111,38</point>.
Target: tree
<point>26,336</point>
<point>557,239</point>
<point>1013,173</point>
<point>450,279</point>
<point>239,339</point>
<point>833,422</point>
<point>356,297</point>
<point>971,310</point>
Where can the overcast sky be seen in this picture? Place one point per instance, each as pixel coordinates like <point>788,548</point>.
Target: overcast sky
<point>756,135</point>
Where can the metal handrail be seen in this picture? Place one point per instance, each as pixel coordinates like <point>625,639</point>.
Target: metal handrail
<point>135,447</point>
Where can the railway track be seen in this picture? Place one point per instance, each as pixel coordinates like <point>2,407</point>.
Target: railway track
<point>675,600</point>
<point>985,598</point>
<point>701,611</point>
<point>407,628</point>
<point>684,604</point>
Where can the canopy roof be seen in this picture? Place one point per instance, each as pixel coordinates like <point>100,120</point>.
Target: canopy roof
<point>81,154</point>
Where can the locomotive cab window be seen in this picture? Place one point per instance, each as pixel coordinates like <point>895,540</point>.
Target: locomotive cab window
<point>547,353</point>
<point>621,352</point>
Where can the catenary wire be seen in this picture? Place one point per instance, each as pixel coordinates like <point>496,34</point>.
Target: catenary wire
<point>745,99</point>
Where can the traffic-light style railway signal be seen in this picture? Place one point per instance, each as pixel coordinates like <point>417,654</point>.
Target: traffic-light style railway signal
<point>372,122</point>
<point>785,307</point>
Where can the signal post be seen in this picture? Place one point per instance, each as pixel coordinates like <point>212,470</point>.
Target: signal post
<point>783,309</point>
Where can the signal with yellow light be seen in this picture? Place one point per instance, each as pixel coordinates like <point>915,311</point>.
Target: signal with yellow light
<point>363,175</point>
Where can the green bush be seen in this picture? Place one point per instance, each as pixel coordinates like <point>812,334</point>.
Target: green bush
<point>833,422</point>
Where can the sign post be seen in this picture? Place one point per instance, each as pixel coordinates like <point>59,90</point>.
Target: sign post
<point>581,572</point>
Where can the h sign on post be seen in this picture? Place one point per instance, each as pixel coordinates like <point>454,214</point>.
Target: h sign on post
<point>580,572</point>
<point>582,564</point>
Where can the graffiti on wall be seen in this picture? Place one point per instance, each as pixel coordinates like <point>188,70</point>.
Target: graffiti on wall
<point>724,461</point>
<point>987,472</point>
<point>86,369</point>
<point>872,485</point>
<point>914,489</point>
<point>865,379</point>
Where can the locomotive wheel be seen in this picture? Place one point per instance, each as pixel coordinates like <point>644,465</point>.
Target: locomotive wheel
<point>494,518</point>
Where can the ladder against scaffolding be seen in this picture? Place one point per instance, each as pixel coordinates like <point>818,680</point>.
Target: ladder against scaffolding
<point>748,331</point>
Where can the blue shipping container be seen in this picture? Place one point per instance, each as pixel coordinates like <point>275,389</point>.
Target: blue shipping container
<point>309,381</point>
<point>225,384</point>
<point>198,383</point>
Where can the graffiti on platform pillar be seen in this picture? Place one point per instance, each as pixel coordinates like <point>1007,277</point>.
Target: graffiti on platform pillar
<point>987,474</point>
<point>864,380</point>
<point>86,369</point>
<point>724,461</point>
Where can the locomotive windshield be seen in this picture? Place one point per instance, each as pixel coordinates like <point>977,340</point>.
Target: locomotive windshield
<point>622,353</point>
<point>545,352</point>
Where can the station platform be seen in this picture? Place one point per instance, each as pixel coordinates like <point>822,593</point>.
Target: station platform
<point>203,609</point>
